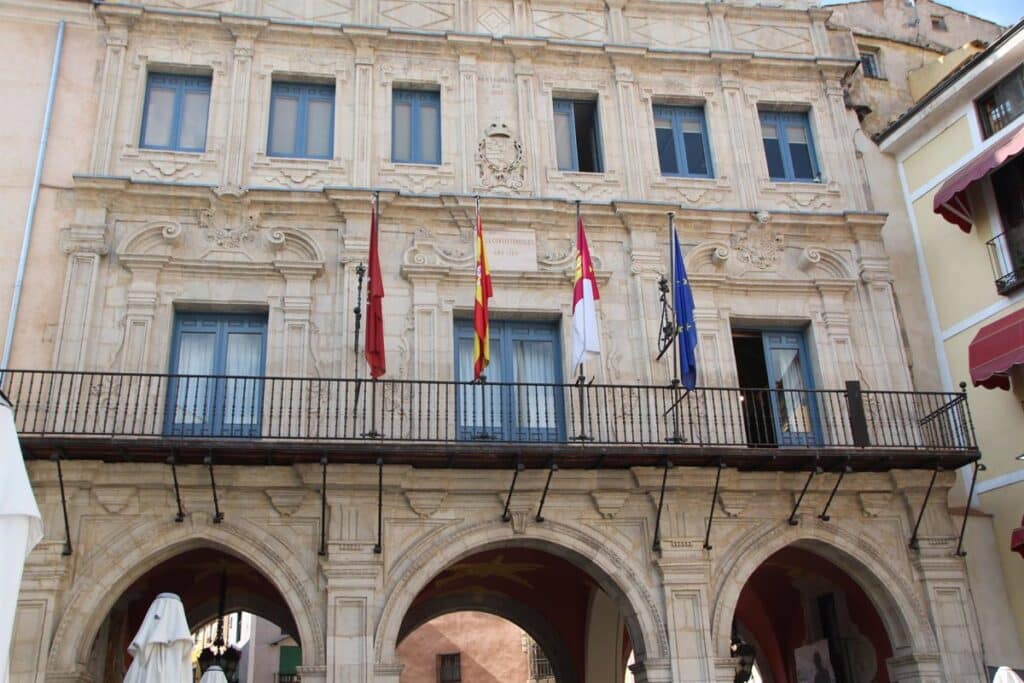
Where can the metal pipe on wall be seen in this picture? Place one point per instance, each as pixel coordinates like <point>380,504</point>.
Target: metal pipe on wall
<point>33,199</point>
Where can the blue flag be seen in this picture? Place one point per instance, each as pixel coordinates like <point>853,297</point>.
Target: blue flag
<point>682,302</point>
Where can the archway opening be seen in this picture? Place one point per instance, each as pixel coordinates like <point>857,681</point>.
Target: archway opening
<point>801,617</point>
<point>582,630</point>
<point>211,584</point>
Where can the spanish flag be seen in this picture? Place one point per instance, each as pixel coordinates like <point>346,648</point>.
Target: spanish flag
<point>586,342</point>
<point>484,291</point>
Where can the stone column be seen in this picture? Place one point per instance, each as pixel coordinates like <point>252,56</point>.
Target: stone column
<point>720,37</point>
<point>362,121</point>
<point>739,117</point>
<point>625,85</point>
<point>687,617</point>
<point>618,31</point>
<point>469,120</point>
<point>118,21</point>
<point>646,268</point>
<point>85,244</point>
<point>245,32</point>
<point>37,614</point>
<point>526,99</point>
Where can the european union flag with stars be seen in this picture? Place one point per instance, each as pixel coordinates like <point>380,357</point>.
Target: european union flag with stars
<point>682,302</point>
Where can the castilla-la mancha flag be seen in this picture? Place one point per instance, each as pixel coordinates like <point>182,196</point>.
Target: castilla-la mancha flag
<point>586,342</point>
<point>484,291</point>
<point>374,307</point>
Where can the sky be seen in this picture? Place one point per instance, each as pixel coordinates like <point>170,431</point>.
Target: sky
<point>1005,12</point>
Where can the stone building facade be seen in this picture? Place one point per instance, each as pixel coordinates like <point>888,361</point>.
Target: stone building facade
<point>143,238</point>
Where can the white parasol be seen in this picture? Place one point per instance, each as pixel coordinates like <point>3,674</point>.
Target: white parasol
<point>21,528</point>
<point>162,649</point>
<point>214,675</point>
<point>1006,675</point>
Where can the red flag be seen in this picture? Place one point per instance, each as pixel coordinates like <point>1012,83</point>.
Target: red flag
<point>484,291</point>
<point>374,305</point>
<point>586,340</point>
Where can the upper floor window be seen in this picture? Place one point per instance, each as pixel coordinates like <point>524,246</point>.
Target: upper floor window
<point>449,668</point>
<point>939,23</point>
<point>577,136</point>
<point>788,145</point>
<point>869,62</point>
<point>682,138</point>
<point>416,127</point>
<point>301,120</point>
<point>1003,103</point>
<point>175,113</point>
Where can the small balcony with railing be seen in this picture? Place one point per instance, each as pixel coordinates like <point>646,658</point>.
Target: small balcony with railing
<point>1006,254</point>
<point>283,420</point>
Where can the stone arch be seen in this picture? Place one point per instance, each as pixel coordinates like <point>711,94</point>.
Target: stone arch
<point>101,580</point>
<point>522,616</point>
<point>895,600</point>
<point>418,565</point>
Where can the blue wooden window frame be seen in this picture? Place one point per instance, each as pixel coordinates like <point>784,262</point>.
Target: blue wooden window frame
<point>504,334</point>
<point>678,115</point>
<point>304,93</point>
<point>181,84</point>
<point>210,391</point>
<point>776,339</point>
<point>780,120</point>
<point>418,100</point>
<point>566,106</point>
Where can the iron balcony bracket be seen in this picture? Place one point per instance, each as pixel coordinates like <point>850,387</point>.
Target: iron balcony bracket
<point>323,505</point>
<point>505,516</point>
<point>63,504</point>
<point>218,516</point>
<point>960,552</point>
<point>173,462</point>
<point>656,545</point>
<point>380,507</point>
<point>828,503</point>
<point>714,498</point>
<point>793,521</point>
<point>920,515</point>
<point>544,496</point>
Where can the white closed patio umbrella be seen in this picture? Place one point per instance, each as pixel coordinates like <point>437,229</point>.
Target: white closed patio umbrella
<point>162,649</point>
<point>21,528</point>
<point>1005,674</point>
<point>214,675</point>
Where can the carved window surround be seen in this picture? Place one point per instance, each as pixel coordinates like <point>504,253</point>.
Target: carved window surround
<point>418,178</point>
<point>695,191</point>
<point>585,185</point>
<point>801,196</point>
<point>296,172</point>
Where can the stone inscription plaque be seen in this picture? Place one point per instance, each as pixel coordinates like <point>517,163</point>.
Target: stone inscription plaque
<point>511,249</point>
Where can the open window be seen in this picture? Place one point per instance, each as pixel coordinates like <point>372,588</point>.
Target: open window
<point>577,136</point>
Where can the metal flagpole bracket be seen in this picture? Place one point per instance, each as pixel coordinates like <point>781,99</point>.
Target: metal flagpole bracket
<point>978,467</point>
<point>913,545</point>
<point>56,457</point>
<point>218,516</point>
<point>380,507</point>
<point>714,499</point>
<point>323,505</point>
<point>793,521</point>
<point>505,516</point>
<point>172,460</point>
<point>656,545</point>
<point>842,473</point>
<point>544,496</point>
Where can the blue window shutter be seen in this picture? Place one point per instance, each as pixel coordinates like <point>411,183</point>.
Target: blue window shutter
<point>424,127</point>
<point>291,138</point>
<point>790,154</point>
<point>182,102</point>
<point>692,149</point>
<point>570,161</point>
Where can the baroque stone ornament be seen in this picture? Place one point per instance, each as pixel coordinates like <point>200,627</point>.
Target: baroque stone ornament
<point>759,245</point>
<point>499,158</point>
<point>229,226</point>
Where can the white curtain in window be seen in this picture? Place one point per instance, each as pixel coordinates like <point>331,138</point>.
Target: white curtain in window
<point>241,395</point>
<point>318,128</point>
<point>794,414</point>
<point>195,357</point>
<point>193,120</point>
<point>534,363</point>
<point>474,410</point>
<point>159,117</point>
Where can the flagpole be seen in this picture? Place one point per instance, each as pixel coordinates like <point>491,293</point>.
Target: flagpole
<point>579,367</point>
<point>580,379</point>
<point>482,379</point>
<point>675,313</point>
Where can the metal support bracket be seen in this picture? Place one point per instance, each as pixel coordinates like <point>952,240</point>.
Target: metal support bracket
<point>173,462</point>
<point>828,503</point>
<point>714,499</point>
<point>656,545</point>
<point>380,507</point>
<point>544,496</point>
<point>505,516</point>
<point>960,552</point>
<point>792,515</point>
<point>920,515</point>
<point>64,505</point>
<point>218,516</point>
<point>323,506</point>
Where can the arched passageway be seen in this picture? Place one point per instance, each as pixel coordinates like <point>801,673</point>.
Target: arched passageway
<point>800,616</point>
<point>575,622</point>
<point>209,581</point>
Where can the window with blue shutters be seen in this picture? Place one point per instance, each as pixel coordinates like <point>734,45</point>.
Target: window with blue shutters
<point>577,136</point>
<point>682,137</point>
<point>301,121</point>
<point>217,362</point>
<point>789,146</point>
<point>522,397</point>
<point>175,112</point>
<point>416,127</point>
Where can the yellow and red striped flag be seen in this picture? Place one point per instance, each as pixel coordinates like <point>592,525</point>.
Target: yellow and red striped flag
<point>484,291</point>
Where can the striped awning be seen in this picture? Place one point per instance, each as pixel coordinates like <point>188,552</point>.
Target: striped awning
<point>995,350</point>
<point>951,200</point>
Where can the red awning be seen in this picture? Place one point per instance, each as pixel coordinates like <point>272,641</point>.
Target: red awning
<point>995,350</point>
<point>1017,539</point>
<point>951,200</point>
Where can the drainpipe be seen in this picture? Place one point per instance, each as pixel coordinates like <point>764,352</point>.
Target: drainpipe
<point>33,200</point>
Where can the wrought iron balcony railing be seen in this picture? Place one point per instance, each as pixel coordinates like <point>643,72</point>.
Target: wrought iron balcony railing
<point>1006,254</point>
<point>181,408</point>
